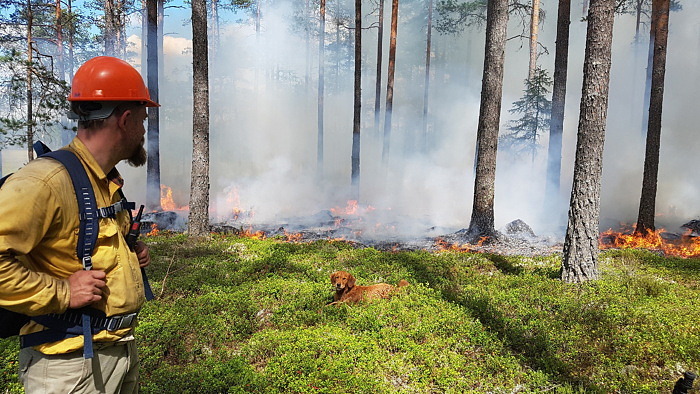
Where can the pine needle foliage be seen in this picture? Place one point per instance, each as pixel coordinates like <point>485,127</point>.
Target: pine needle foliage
<point>535,110</point>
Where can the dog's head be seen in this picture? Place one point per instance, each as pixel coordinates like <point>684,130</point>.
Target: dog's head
<point>342,280</point>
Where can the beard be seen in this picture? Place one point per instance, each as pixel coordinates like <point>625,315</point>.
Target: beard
<point>139,156</point>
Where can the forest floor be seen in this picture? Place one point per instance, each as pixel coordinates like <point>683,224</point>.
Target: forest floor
<point>237,314</point>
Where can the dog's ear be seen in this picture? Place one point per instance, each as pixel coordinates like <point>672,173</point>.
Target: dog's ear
<point>333,275</point>
<point>351,280</point>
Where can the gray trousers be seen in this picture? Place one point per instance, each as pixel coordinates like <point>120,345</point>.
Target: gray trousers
<point>113,369</point>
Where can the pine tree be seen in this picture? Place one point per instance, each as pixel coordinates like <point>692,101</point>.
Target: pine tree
<point>535,109</point>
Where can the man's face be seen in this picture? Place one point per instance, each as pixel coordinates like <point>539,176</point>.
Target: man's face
<point>136,138</point>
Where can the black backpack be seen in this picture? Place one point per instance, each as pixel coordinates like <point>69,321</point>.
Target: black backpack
<point>65,325</point>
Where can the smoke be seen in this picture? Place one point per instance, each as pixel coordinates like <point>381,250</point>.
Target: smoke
<point>264,133</point>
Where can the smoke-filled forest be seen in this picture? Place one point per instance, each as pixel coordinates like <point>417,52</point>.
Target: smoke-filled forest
<point>284,112</point>
<point>463,161</point>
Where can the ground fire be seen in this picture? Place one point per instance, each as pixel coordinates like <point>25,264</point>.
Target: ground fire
<point>670,244</point>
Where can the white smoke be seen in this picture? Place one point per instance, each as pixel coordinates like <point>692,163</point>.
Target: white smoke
<point>263,127</point>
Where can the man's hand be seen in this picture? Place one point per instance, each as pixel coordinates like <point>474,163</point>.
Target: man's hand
<point>86,287</point>
<point>142,253</point>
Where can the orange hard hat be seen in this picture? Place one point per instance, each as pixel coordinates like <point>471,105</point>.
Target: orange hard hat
<point>106,78</point>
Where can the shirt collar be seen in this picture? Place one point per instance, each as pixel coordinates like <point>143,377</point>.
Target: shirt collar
<point>86,157</point>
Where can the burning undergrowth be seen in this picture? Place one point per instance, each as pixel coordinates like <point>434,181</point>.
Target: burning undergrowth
<point>366,226</point>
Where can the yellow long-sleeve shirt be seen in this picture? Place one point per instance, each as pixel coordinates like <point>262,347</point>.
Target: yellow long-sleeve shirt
<point>39,224</point>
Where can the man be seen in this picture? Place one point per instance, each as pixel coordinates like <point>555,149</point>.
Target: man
<point>40,272</point>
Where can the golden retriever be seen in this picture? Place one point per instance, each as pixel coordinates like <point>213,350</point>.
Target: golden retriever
<point>346,291</point>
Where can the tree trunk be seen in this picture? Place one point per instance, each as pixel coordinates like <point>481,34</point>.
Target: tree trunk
<point>153,164</point>
<point>390,80</point>
<point>426,85</point>
<point>214,15</point>
<point>71,37</point>
<point>639,20</point>
<point>30,62</point>
<point>378,82</point>
<point>355,159</point>
<point>647,84</point>
<point>109,33</point>
<point>198,221</point>
<point>556,125</point>
<point>161,17</point>
<point>60,66</point>
<point>321,87</point>
<point>659,36</point>
<point>489,118</point>
<point>534,29</point>
<point>580,261</point>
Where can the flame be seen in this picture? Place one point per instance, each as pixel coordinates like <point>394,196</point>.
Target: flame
<point>154,230</point>
<point>351,209</point>
<point>167,203</point>
<point>293,237</point>
<point>249,233</point>
<point>443,245</point>
<point>685,246</point>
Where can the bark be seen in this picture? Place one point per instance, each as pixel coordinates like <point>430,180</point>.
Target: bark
<point>659,36</point>
<point>198,221</point>
<point>378,82</point>
<point>556,125</point>
<point>153,163</point>
<point>60,67</point>
<point>355,159</point>
<point>489,118</point>
<point>71,37</point>
<point>30,61</point>
<point>114,24</point>
<point>580,262</point>
<point>534,29</point>
<point>647,84</point>
<point>390,80</point>
<point>426,85</point>
<point>214,15</point>
<point>110,29</point>
<point>321,87</point>
<point>638,21</point>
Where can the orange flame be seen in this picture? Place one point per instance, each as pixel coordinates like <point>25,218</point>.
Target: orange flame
<point>293,237</point>
<point>443,245</point>
<point>352,208</point>
<point>154,230</point>
<point>685,246</point>
<point>249,233</point>
<point>167,203</point>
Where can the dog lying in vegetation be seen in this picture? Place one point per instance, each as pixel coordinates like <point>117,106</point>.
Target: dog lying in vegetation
<point>346,291</point>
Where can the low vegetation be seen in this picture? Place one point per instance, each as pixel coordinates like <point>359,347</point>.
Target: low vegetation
<point>238,315</point>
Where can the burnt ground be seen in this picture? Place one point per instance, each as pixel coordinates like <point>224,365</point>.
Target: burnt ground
<point>516,238</point>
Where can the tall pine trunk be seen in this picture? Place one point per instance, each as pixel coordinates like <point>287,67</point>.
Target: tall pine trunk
<point>110,28</point>
<point>198,221</point>
<point>378,81</point>
<point>321,87</point>
<point>390,80</point>
<point>153,163</point>
<point>357,113</point>
<point>426,85</point>
<point>489,118</point>
<point>556,122</point>
<point>30,94</point>
<point>534,31</point>
<point>659,38</point>
<point>580,261</point>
